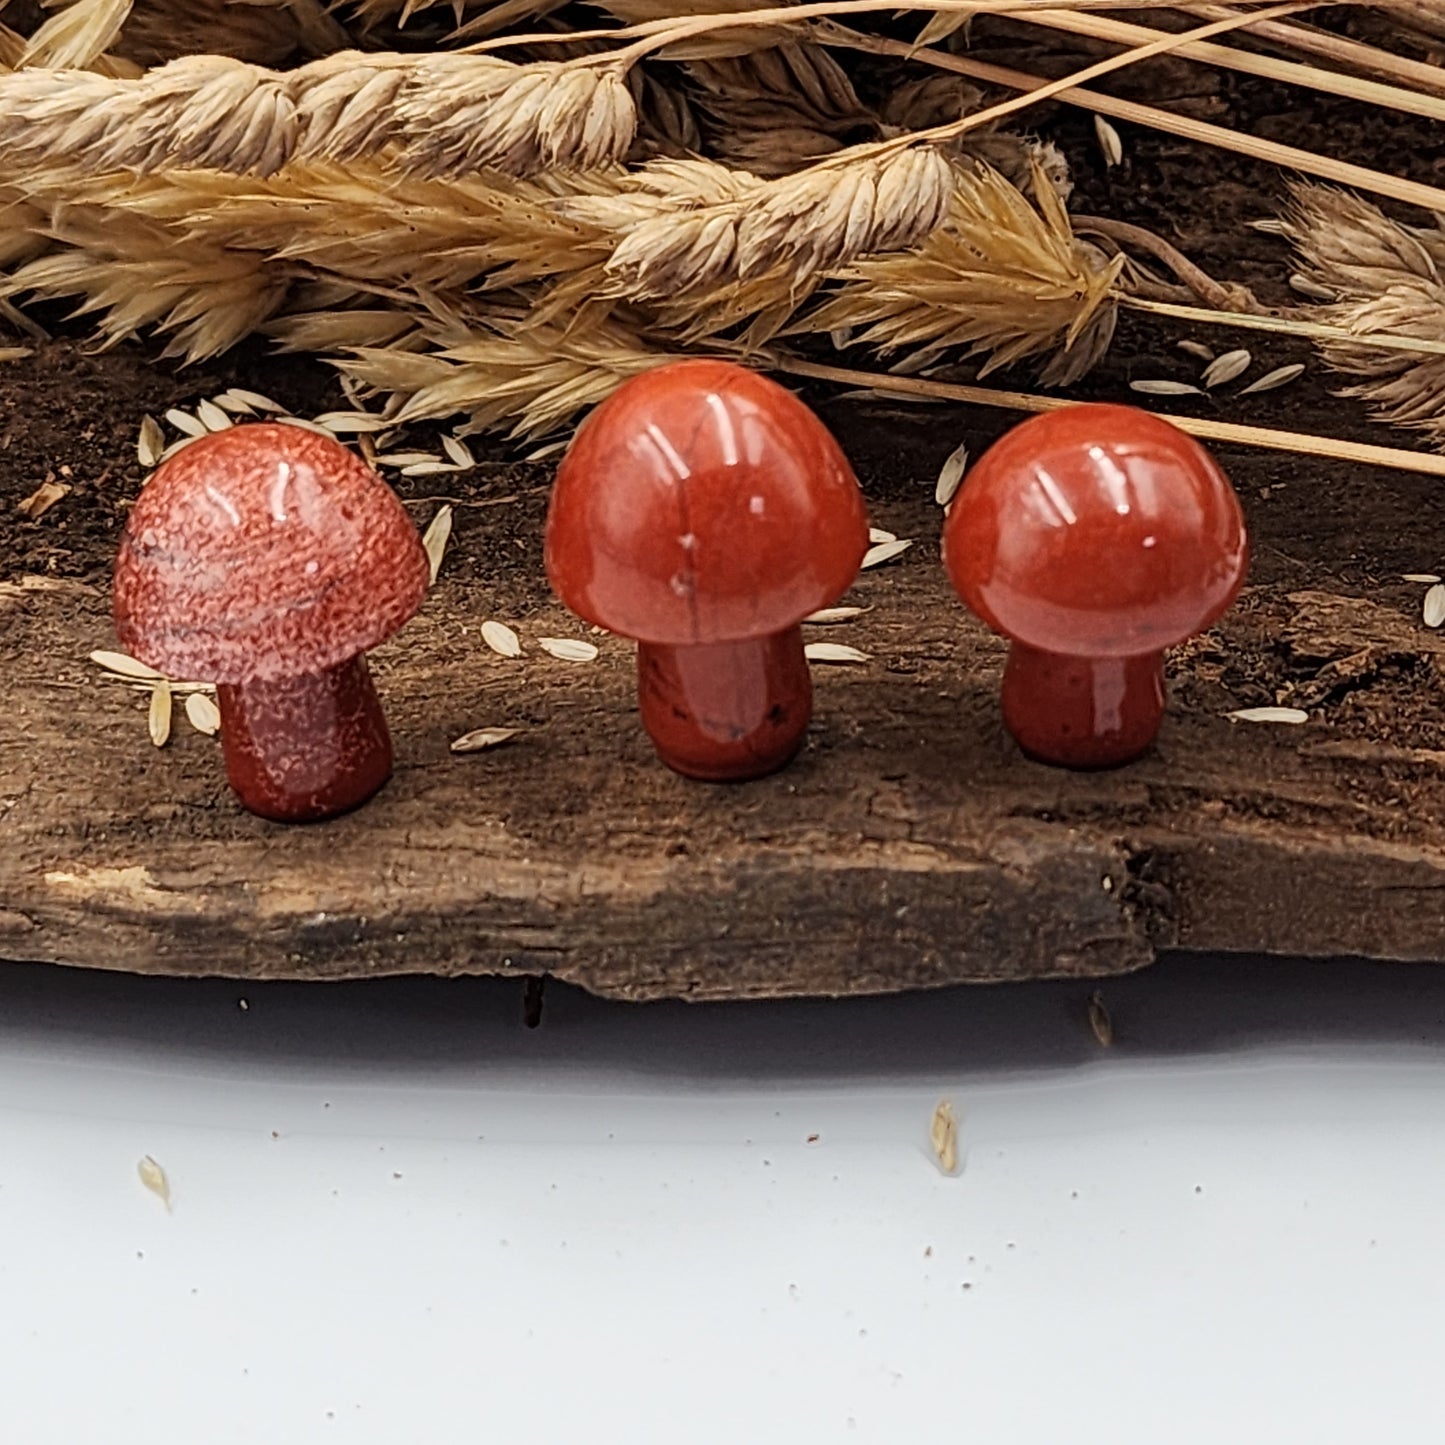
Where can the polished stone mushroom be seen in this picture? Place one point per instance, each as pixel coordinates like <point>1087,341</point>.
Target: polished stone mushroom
<point>268,559</point>
<point>704,511</point>
<point>1094,537</point>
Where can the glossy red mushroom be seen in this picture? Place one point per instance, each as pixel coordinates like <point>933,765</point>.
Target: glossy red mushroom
<point>705,511</point>
<point>268,559</point>
<point>1093,537</point>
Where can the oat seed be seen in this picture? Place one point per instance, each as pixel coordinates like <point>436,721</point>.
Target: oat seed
<point>1227,368</point>
<point>203,714</point>
<point>568,649</point>
<point>480,739</point>
<point>501,639</point>
<point>885,552</point>
<point>834,652</point>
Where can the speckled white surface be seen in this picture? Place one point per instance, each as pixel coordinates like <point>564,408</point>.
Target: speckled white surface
<point>400,1217</point>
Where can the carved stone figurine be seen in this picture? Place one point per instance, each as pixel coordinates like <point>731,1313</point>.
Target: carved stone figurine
<point>1093,537</point>
<point>705,511</point>
<point>268,559</point>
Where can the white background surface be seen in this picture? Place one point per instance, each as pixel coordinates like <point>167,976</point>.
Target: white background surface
<point>401,1217</point>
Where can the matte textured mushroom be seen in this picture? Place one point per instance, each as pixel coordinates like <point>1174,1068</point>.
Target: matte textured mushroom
<point>268,559</point>
<point>1094,538</point>
<point>704,511</point>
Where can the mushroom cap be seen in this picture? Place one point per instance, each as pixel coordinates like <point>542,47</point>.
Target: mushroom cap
<point>1096,531</point>
<point>703,503</point>
<point>264,551</point>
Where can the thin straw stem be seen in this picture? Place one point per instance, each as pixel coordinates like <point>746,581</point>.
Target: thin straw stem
<point>1367,58</point>
<point>1413,193</point>
<point>1285,325</point>
<point>1309,77</point>
<point>1301,443</point>
<point>678,28</point>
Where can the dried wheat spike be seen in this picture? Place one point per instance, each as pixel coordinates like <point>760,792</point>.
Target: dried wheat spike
<point>997,277</point>
<point>434,115</point>
<point>1386,278</point>
<point>813,221</point>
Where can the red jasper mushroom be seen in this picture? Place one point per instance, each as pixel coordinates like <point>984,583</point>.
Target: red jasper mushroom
<point>268,559</point>
<point>1093,537</point>
<point>705,511</point>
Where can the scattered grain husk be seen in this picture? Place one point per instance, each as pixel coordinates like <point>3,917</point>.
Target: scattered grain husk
<point>568,649</point>
<point>482,739</point>
<point>434,539</point>
<point>882,552</point>
<point>501,639</point>
<point>1273,380</point>
<point>158,719</point>
<point>203,714</point>
<point>1270,715</point>
<point>943,1135</point>
<point>154,1178</point>
<point>42,499</point>
<point>950,475</point>
<point>1433,608</point>
<point>1224,369</point>
<point>838,652</point>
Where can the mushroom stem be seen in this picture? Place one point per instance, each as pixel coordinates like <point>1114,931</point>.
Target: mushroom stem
<point>726,711</point>
<point>304,748</point>
<point>1082,712</point>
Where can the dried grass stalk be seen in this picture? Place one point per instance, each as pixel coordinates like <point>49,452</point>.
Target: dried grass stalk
<point>434,115</point>
<point>1387,280</point>
<point>999,276</point>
